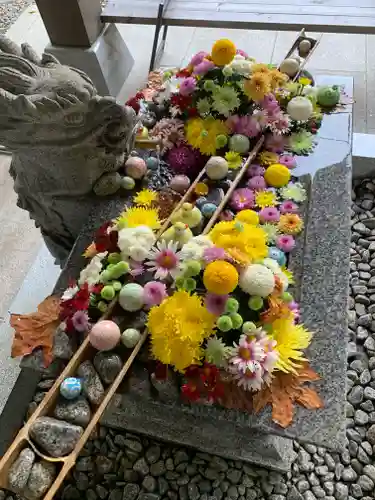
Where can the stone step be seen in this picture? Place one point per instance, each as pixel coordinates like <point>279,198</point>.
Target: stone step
<point>363,153</point>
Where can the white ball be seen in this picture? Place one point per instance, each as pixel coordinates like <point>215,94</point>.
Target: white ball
<point>290,67</point>
<point>300,108</point>
<point>131,297</point>
<point>217,168</point>
<point>257,280</point>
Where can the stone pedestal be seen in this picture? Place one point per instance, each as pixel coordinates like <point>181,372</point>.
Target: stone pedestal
<point>107,61</point>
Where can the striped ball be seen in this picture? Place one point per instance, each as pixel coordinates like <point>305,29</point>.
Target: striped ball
<point>71,388</point>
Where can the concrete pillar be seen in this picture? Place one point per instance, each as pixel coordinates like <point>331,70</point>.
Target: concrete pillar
<point>80,39</point>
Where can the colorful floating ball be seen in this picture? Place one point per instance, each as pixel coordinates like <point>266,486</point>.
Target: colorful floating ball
<point>152,163</point>
<point>130,337</point>
<point>71,388</point>
<point>217,168</point>
<point>180,183</point>
<point>239,143</point>
<point>104,335</point>
<point>208,209</point>
<point>278,255</point>
<point>131,297</point>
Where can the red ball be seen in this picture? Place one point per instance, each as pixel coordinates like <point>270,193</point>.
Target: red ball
<point>104,335</point>
<point>135,167</point>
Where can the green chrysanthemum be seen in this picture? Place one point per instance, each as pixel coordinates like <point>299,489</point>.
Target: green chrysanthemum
<point>225,100</point>
<point>301,143</point>
<point>217,352</point>
<point>272,232</point>
<point>203,107</point>
<point>294,191</point>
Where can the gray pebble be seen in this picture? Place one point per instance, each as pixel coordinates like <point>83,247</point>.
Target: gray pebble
<point>108,366</point>
<point>153,454</point>
<point>91,383</point>
<point>369,470</point>
<point>76,411</point>
<point>158,469</point>
<point>56,437</point>
<point>41,477</point>
<point>366,483</point>
<point>361,417</point>
<point>149,484</point>
<point>141,467</point>
<point>342,491</point>
<point>369,392</point>
<point>20,470</point>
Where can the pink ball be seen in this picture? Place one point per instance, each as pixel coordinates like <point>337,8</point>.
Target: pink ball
<point>104,335</point>
<point>135,167</point>
<point>180,183</point>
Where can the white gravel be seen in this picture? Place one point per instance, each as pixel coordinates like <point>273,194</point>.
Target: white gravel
<point>10,10</point>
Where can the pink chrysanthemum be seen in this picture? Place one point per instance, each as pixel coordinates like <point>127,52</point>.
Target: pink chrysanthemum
<point>288,207</point>
<point>187,86</point>
<point>211,254</point>
<point>275,143</point>
<point>272,355</point>
<point>215,304</point>
<point>250,380</point>
<point>242,198</point>
<point>204,67</point>
<point>255,170</point>
<point>242,53</point>
<point>257,183</point>
<point>164,260</point>
<point>245,125</point>
<point>270,104</point>
<point>269,214</point>
<point>154,293</point>
<point>136,268</point>
<point>248,355</point>
<point>198,58</point>
<point>80,320</point>
<point>288,160</point>
<point>285,242</point>
<point>170,131</point>
<point>279,123</point>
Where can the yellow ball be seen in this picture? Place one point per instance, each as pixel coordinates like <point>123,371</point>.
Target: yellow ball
<point>277,175</point>
<point>223,52</point>
<point>248,217</point>
<point>220,277</point>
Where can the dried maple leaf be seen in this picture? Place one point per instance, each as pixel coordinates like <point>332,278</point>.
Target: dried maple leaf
<point>285,390</point>
<point>234,397</point>
<point>36,329</point>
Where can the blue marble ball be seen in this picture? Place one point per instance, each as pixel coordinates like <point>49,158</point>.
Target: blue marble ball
<point>152,163</point>
<point>200,202</point>
<point>278,255</point>
<point>208,209</point>
<point>71,388</point>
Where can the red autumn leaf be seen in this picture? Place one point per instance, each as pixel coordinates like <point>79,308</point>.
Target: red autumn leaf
<point>285,390</point>
<point>36,329</point>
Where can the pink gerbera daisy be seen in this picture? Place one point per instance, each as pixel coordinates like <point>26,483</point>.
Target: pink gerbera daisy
<point>242,198</point>
<point>215,304</point>
<point>288,207</point>
<point>285,242</point>
<point>154,293</point>
<point>164,260</point>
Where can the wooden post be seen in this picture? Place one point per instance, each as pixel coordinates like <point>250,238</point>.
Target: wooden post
<point>71,23</point>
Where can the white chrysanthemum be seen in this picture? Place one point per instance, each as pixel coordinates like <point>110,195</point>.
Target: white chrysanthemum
<point>136,242</point>
<point>272,232</point>
<point>294,191</point>
<point>257,280</point>
<point>193,249</point>
<point>91,273</point>
<point>217,352</point>
<point>225,100</point>
<point>277,271</point>
<point>238,65</point>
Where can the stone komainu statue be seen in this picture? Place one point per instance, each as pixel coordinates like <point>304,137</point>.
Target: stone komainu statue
<point>67,142</point>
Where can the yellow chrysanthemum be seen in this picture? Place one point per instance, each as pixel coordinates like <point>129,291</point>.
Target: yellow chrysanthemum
<point>265,199</point>
<point>291,340</point>
<point>304,81</point>
<point>277,78</point>
<point>139,216</point>
<point>234,160</point>
<point>223,52</point>
<point>220,277</point>
<point>248,217</point>
<point>245,243</point>
<point>146,197</point>
<point>202,133</point>
<point>178,327</point>
<point>260,68</point>
<point>268,158</point>
<point>257,86</point>
<point>290,224</point>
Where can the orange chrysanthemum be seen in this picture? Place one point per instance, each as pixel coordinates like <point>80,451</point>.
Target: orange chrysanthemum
<point>290,224</point>
<point>257,86</point>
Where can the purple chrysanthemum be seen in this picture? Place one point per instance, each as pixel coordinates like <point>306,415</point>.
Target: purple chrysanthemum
<point>255,170</point>
<point>80,320</point>
<point>285,242</point>
<point>288,160</point>
<point>257,183</point>
<point>215,304</point>
<point>211,254</point>
<point>242,198</point>
<point>288,207</point>
<point>269,214</point>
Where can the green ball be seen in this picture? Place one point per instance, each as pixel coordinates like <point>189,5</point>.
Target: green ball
<point>190,284</point>
<point>221,141</point>
<point>224,323</point>
<point>248,327</point>
<point>236,320</point>
<point>239,143</point>
<point>209,85</point>
<point>127,183</point>
<point>117,285</point>
<point>179,282</point>
<point>287,297</point>
<point>255,303</point>
<point>102,306</point>
<point>328,96</point>
<point>108,292</point>
<point>114,258</point>
<point>232,305</point>
<point>192,268</point>
<point>118,270</point>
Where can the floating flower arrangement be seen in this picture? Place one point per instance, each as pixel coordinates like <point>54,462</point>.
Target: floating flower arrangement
<point>219,303</point>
